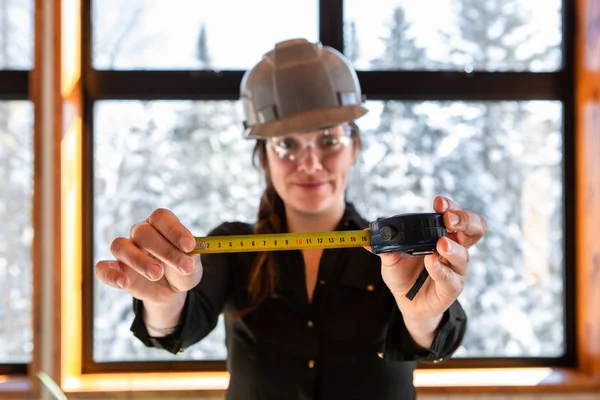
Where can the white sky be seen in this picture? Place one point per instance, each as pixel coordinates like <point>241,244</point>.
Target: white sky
<point>239,32</point>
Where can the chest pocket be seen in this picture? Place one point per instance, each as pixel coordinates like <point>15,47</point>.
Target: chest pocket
<point>361,303</point>
<point>362,274</point>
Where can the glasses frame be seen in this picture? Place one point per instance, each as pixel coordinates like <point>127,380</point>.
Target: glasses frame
<point>292,156</point>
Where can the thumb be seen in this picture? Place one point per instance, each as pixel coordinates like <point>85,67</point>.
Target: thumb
<point>387,259</point>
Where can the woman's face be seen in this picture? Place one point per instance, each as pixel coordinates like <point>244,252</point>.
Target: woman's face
<point>309,170</point>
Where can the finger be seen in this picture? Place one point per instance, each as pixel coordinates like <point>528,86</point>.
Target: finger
<point>442,204</point>
<point>470,224</point>
<point>184,282</point>
<point>117,274</point>
<point>390,259</point>
<point>387,259</point>
<point>453,255</point>
<point>148,238</point>
<point>112,273</point>
<point>171,228</point>
<point>447,281</point>
<point>128,253</point>
<point>368,248</point>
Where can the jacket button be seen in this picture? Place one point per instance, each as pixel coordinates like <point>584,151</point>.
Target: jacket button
<point>311,363</point>
<point>370,288</point>
<point>381,355</point>
<point>310,324</point>
<point>322,281</point>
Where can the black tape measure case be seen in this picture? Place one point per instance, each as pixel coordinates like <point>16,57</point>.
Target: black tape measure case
<point>413,234</point>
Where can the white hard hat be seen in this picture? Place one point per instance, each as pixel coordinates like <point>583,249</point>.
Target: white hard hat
<point>299,87</point>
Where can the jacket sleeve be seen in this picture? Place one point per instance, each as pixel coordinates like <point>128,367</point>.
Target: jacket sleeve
<point>400,346</point>
<point>204,303</point>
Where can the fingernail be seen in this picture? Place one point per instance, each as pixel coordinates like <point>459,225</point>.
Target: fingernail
<point>449,246</point>
<point>187,244</point>
<point>120,282</point>
<point>154,272</point>
<point>453,218</point>
<point>444,203</point>
<point>186,266</point>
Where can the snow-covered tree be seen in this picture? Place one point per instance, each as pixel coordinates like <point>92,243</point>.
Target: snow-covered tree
<point>401,50</point>
<point>202,52</point>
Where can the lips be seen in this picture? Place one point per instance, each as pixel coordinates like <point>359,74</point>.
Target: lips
<point>310,185</point>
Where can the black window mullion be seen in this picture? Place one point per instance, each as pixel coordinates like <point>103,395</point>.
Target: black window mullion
<point>448,85</point>
<point>331,23</point>
<point>14,85</point>
<point>86,39</point>
<point>392,85</point>
<point>569,191</point>
<point>87,319</point>
<point>13,369</point>
<point>164,85</point>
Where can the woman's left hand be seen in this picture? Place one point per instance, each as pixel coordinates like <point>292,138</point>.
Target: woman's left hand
<point>447,268</point>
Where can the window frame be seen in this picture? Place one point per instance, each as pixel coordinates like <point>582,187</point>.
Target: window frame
<point>376,85</point>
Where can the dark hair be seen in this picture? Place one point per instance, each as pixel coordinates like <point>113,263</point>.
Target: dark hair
<point>271,219</point>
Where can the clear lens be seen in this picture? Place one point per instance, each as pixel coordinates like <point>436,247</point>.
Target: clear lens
<point>325,143</point>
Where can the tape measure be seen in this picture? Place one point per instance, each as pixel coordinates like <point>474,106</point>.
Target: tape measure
<point>411,234</point>
<point>281,241</point>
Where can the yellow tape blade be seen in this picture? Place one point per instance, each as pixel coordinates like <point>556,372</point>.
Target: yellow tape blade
<point>281,241</point>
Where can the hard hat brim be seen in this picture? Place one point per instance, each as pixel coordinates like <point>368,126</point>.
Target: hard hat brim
<point>306,121</point>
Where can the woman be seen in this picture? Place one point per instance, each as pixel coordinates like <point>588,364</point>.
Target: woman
<point>316,324</point>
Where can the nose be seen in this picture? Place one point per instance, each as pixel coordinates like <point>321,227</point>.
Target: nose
<point>308,161</point>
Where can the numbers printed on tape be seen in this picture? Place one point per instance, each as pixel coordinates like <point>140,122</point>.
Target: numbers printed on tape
<point>281,241</point>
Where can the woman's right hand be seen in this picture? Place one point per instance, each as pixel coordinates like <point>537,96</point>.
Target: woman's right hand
<point>152,264</point>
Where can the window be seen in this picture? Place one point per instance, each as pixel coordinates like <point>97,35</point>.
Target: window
<point>498,159</point>
<point>16,169</point>
<point>460,107</point>
<point>200,169</point>
<point>462,35</point>
<point>16,34</point>
<point>141,34</point>
<point>16,191</point>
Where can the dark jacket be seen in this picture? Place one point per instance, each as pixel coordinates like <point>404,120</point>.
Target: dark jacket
<point>350,342</point>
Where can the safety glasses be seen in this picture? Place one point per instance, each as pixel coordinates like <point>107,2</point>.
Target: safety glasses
<point>324,143</point>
